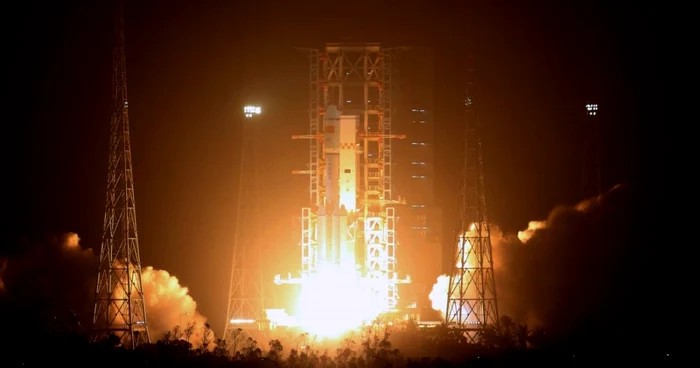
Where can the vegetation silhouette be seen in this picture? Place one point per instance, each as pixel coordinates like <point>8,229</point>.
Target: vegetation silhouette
<point>380,345</point>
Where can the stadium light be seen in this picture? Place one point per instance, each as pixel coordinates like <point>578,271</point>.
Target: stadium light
<point>250,111</point>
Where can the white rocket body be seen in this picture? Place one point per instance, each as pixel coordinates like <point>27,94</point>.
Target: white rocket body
<point>331,133</point>
<point>336,246</point>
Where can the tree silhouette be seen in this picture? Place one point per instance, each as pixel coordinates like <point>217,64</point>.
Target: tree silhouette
<point>522,335</point>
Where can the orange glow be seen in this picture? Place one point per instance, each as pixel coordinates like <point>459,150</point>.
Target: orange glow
<point>532,226</point>
<point>333,302</point>
<point>438,295</point>
<point>168,304</point>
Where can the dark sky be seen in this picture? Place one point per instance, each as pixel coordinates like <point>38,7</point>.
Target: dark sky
<point>191,67</point>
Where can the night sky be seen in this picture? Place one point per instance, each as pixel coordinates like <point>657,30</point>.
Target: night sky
<point>191,68</point>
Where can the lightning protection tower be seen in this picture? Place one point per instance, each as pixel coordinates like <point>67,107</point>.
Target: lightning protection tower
<point>471,299</point>
<point>120,308</point>
<point>245,314</point>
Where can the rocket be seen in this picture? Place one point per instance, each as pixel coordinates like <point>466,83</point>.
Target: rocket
<point>336,242</point>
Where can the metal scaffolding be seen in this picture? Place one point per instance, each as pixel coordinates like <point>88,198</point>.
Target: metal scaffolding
<point>471,301</point>
<point>120,309</point>
<point>357,79</point>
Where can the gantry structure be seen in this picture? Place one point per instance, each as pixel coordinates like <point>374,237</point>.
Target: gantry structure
<point>472,301</point>
<point>120,308</point>
<point>358,80</point>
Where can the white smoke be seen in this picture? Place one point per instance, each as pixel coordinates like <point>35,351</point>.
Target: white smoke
<point>438,295</point>
<point>168,304</point>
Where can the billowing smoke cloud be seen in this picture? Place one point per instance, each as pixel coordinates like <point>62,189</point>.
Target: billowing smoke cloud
<point>169,304</point>
<point>585,269</point>
<point>49,285</point>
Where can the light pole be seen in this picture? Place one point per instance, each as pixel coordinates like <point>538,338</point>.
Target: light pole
<point>250,111</point>
<point>245,304</point>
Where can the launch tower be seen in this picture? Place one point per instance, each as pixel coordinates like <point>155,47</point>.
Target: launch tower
<point>350,221</point>
<point>471,298</point>
<point>120,308</point>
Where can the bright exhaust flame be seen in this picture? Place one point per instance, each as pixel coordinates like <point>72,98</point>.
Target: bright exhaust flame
<point>235,321</point>
<point>334,301</point>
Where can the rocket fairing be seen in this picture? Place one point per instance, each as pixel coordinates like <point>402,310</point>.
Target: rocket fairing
<point>336,245</point>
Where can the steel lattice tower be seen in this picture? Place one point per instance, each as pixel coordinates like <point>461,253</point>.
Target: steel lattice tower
<point>246,298</point>
<point>119,300</point>
<point>471,299</point>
